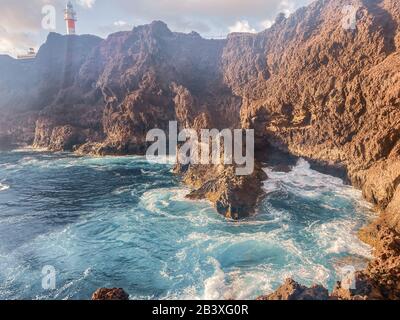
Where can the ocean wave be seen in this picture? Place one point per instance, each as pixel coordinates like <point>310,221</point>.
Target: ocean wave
<point>9,166</point>
<point>161,159</point>
<point>121,190</point>
<point>303,180</point>
<point>237,284</point>
<point>25,161</point>
<point>159,201</point>
<point>340,236</point>
<point>215,287</point>
<point>62,292</point>
<point>29,149</point>
<point>184,249</point>
<point>4,187</point>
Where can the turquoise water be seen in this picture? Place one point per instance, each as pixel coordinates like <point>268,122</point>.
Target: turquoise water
<point>125,222</point>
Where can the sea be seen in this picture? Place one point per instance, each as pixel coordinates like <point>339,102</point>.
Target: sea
<point>91,222</point>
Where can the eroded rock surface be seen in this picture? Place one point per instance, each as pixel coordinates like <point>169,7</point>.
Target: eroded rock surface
<point>291,290</point>
<point>234,196</point>
<point>110,294</point>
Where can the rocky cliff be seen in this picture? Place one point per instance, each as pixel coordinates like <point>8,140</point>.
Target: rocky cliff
<point>333,94</point>
<point>39,88</point>
<point>307,85</point>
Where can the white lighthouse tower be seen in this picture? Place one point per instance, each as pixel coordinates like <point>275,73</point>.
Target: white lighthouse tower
<point>70,18</point>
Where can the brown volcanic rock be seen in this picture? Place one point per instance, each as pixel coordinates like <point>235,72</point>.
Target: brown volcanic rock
<point>110,294</point>
<point>381,279</point>
<point>291,290</point>
<point>333,94</point>
<point>384,270</point>
<point>151,76</point>
<point>65,138</point>
<point>234,197</point>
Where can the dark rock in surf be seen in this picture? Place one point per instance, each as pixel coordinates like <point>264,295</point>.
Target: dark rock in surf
<point>110,294</point>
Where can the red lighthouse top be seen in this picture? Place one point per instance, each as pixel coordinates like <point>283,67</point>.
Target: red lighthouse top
<point>70,18</point>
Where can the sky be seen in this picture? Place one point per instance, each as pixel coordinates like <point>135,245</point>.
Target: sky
<point>26,23</point>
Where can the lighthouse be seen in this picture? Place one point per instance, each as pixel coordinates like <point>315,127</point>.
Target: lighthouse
<point>70,18</point>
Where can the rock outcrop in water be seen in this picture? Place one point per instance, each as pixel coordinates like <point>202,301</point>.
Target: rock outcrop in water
<point>116,294</point>
<point>234,196</point>
<point>307,85</point>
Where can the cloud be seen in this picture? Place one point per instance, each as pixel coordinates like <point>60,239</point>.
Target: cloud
<point>225,10</point>
<point>242,26</point>
<point>15,43</point>
<point>21,19</point>
<point>266,24</point>
<point>21,24</point>
<point>287,7</point>
<point>119,25</point>
<point>219,15</point>
<point>86,3</point>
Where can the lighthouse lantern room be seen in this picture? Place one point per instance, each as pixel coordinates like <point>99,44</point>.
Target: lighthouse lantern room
<point>70,18</point>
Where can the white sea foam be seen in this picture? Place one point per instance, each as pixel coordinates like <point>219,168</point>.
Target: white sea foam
<point>30,149</point>
<point>302,179</point>
<point>215,287</point>
<point>172,203</point>
<point>121,190</point>
<point>152,200</point>
<point>340,236</point>
<point>161,159</point>
<point>216,240</point>
<point>208,257</point>
<point>4,187</point>
<point>305,182</point>
<point>28,161</point>
<point>245,285</point>
<point>60,293</point>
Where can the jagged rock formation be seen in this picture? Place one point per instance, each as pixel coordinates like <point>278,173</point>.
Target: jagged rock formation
<point>307,86</point>
<point>115,294</point>
<point>234,196</point>
<point>291,290</point>
<point>333,94</point>
<point>151,76</point>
